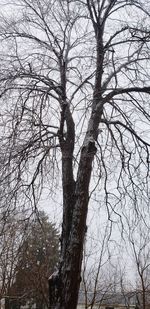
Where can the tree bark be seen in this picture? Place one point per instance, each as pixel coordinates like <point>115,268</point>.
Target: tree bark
<point>64,285</point>
<point>76,197</point>
<point>69,272</point>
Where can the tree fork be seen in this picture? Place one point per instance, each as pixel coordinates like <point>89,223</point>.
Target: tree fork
<point>65,284</point>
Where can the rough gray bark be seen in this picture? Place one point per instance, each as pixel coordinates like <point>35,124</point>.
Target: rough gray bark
<point>76,194</point>
<point>39,82</point>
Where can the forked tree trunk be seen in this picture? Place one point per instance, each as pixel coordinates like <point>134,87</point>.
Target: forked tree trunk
<point>64,286</point>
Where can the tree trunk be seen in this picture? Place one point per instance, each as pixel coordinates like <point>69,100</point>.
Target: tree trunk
<point>64,285</point>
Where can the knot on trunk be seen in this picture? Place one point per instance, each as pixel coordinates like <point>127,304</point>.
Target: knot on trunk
<point>89,146</point>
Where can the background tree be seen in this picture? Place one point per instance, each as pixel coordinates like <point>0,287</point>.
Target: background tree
<point>104,274</point>
<point>11,238</point>
<point>74,83</point>
<point>36,260</point>
<point>139,241</point>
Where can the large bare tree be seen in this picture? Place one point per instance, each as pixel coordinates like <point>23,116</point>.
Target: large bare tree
<point>74,87</point>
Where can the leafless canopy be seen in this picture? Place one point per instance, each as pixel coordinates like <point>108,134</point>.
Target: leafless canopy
<point>74,86</point>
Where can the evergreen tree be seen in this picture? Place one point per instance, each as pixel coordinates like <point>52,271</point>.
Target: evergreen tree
<point>37,259</point>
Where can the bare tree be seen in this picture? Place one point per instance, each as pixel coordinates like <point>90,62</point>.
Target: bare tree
<point>140,245</point>
<point>96,260</point>
<point>74,82</point>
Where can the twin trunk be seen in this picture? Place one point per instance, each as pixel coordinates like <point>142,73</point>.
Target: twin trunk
<point>64,285</point>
